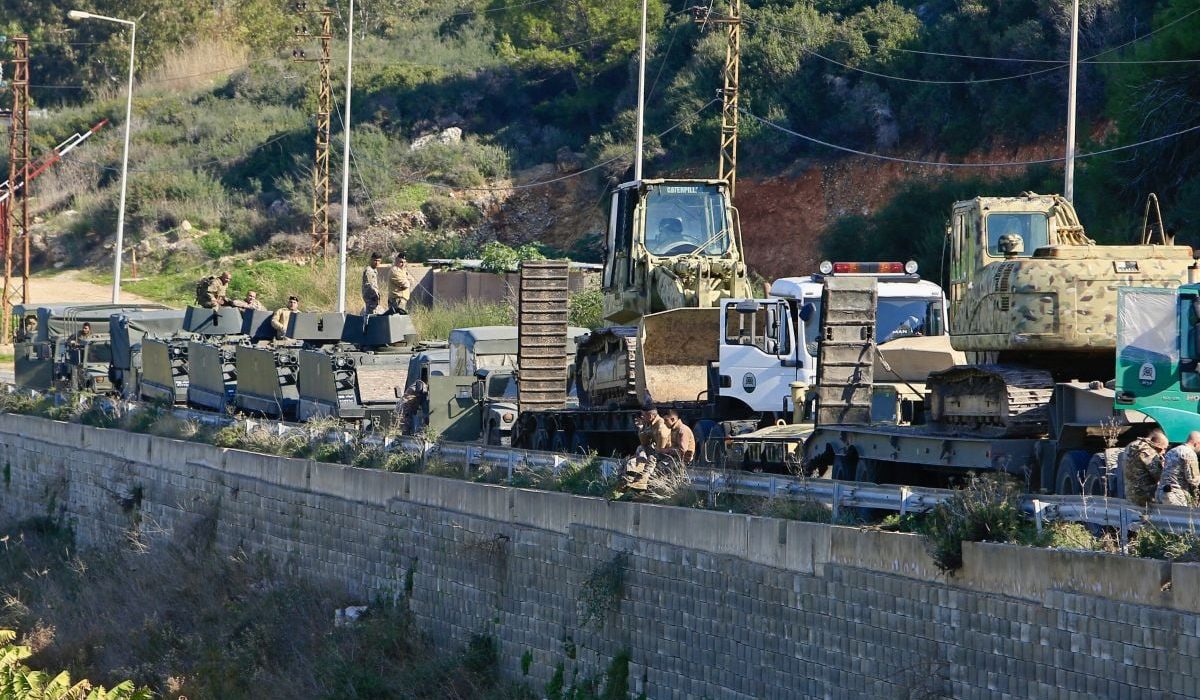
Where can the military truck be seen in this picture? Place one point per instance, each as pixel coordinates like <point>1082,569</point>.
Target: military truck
<point>50,356</point>
<point>1034,305</point>
<point>477,397</point>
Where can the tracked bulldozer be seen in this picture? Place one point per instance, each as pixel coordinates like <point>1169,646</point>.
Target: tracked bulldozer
<point>1033,302</point>
<point>673,251</point>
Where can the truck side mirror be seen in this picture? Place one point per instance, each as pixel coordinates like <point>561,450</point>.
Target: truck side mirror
<point>477,390</point>
<point>1187,364</point>
<point>807,311</point>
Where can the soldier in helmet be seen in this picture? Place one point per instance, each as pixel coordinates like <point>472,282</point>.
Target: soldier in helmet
<point>1143,460</point>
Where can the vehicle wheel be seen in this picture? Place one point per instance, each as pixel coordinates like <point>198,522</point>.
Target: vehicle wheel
<point>1101,478</point>
<point>867,471</point>
<point>1071,473</point>
<point>558,441</point>
<point>493,435</point>
<point>845,467</point>
<point>579,442</point>
<point>540,440</point>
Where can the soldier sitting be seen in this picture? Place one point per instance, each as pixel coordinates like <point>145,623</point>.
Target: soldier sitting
<point>655,439</point>
<point>283,316</point>
<point>79,339</point>
<point>211,292</point>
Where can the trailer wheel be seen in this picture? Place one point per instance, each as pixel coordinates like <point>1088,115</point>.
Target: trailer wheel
<point>867,471</point>
<point>845,466</point>
<point>1071,473</point>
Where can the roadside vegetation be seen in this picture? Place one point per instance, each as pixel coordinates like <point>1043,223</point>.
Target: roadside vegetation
<point>171,613</point>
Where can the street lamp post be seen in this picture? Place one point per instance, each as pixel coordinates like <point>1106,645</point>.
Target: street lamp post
<point>78,15</point>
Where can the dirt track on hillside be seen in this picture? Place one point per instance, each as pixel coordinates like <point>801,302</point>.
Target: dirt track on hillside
<point>69,286</point>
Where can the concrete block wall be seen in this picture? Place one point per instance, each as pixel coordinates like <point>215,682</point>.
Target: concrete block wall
<point>711,604</point>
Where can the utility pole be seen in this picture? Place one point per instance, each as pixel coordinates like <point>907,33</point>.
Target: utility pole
<point>321,190</point>
<point>16,243</point>
<point>727,168</point>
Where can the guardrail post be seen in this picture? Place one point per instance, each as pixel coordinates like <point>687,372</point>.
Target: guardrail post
<point>836,501</point>
<point>904,493</point>
<point>512,457</point>
<point>1123,532</point>
<point>559,460</point>
<point>1037,513</point>
<point>772,485</point>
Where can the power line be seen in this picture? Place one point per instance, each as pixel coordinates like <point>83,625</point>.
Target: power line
<point>907,161</point>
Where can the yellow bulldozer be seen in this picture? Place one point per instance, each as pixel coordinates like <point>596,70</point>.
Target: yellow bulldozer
<point>673,251</point>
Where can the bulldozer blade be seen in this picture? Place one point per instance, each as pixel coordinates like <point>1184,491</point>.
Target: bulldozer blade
<point>675,348</point>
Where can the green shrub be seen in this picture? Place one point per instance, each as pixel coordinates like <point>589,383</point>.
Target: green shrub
<point>1153,543</point>
<point>586,308</point>
<point>436,322</point>
<point>216,244</point>
<point>987,509</point>
<point>444,212</point>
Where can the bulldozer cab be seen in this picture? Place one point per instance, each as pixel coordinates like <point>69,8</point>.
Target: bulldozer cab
<point>1158,356</point>
<point>670,244</point>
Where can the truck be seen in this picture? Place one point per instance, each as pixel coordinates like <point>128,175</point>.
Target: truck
<point>49,355</point>
<point>1033,304</point>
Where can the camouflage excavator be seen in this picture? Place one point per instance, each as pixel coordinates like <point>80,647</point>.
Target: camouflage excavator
<point>1033,302</point>
<point>1033,305</point>
<point>673,251</point>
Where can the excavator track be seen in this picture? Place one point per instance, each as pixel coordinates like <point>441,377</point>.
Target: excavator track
<point>991,400</point>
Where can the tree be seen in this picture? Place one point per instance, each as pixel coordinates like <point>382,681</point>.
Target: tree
<point>19,682</point>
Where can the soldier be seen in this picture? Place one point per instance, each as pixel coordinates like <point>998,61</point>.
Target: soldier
<point>251,301</point>
<point>370,285</point>
<point>1143,459</point>
<point>282,316</point>
<point>411,408</point>
<point>1180,473</point>
<point>211,291</point>
<point>683,442</point>
<point>399,286</point>
<point>84,334</point>
<point>655,439</point>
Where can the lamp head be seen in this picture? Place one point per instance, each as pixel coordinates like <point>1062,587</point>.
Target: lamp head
<point>79,14</point>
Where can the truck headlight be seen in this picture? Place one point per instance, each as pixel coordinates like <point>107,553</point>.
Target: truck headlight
<point>507,417</point>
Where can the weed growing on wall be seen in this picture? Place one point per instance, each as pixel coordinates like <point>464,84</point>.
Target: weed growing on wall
<point>1155,543</point>
<point>987,509</point>
<point>601,592</point>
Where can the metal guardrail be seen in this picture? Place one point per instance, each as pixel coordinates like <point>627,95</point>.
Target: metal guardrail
<point>1101,511</point>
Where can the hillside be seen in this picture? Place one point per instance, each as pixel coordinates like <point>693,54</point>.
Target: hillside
<point>479,121</point>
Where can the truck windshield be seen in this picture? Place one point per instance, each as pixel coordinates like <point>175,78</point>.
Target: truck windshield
<point>681,219</point>
<point>904,318</point>
<point>1031,227</point>
<point>896,317</point>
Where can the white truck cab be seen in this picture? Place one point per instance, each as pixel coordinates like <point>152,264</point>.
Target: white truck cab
<point>767,344</point>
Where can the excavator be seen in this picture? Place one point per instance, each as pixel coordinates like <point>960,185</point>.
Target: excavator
<point>1033,305</point>
<point>672,253</point>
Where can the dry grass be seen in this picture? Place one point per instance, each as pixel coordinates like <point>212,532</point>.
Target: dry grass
<point>201,64</point>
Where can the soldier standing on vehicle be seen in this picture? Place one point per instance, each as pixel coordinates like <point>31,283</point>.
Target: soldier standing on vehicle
<point>399,286</point>
<point>1180,474</point>
<point>282,316</point>
<point>1143,467</point>
<point>251,301</point>
<point>683,441</point>
<point>370,285</point>
<point>212,290</point>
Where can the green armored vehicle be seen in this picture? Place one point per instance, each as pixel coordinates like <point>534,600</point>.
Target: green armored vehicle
<point>51,351</point>
<point>360,372</point>
<point>130,332</point>
<point>211,356</point>
<point>267,370</point>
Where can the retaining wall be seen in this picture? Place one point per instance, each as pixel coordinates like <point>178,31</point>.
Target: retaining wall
<point>711,605</point>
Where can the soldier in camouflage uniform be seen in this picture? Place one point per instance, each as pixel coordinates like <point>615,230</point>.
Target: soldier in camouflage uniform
<point>1143,462</point>
<point>1180,474</point>
<point>370,285</point>
<point>655,439</point>
<point>211,292</point>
